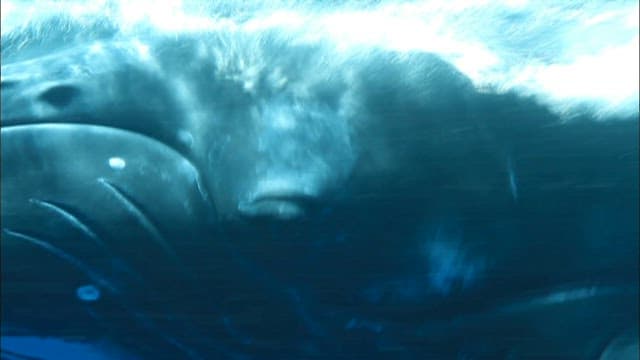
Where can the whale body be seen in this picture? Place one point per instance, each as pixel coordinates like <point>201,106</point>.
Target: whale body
<point>245,189</point>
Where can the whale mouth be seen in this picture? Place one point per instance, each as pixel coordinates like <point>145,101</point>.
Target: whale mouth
<point>278,206</point>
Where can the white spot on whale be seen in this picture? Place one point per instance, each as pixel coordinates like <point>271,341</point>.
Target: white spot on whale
<point>117,163</point>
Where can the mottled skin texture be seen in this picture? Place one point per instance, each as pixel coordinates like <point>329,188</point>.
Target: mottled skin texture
<point>364,205</point>
<point>278,118</point>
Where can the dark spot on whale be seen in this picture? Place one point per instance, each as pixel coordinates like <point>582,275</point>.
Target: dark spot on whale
<point>60,95</point>
<point>8,84</point>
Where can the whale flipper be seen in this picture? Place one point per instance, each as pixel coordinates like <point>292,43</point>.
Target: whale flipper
<point>110,218</point>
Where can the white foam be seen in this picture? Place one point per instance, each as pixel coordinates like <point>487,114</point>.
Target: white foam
<point>571,56</point>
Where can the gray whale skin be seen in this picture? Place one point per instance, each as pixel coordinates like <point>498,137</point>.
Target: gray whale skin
<point>243,196</point>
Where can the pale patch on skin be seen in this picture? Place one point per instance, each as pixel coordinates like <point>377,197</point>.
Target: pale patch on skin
<point>117,163</point>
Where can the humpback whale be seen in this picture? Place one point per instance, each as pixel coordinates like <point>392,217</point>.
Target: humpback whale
<point>259,186</point>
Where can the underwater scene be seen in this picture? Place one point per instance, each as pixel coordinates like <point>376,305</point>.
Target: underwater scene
<point>298,179</point>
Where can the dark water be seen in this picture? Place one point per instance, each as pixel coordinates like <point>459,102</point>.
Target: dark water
<point>151,214</point>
